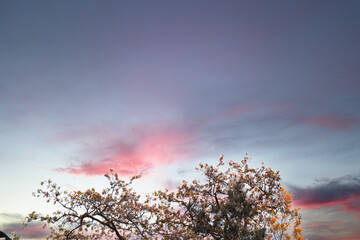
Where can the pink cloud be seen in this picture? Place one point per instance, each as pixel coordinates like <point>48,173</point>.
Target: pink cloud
<point>331,121</point>
<point>33,230</point>
<point>352,206</point>
<point>347,203</point>
<point>137,151</point>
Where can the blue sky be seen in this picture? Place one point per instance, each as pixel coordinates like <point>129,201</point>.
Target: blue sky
<point>158,86</point>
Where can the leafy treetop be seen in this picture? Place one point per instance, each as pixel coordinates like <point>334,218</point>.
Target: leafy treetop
<point>233,203</point>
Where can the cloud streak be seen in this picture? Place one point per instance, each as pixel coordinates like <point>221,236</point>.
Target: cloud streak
<point>331,121</point>
<point>343,191</point>
<point>323,225</point>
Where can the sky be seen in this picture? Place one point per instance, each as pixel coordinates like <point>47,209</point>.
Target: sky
<point>160,86</point>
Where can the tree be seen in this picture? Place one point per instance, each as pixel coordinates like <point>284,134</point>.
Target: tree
<point>237,203</point>
<point>116,212</point>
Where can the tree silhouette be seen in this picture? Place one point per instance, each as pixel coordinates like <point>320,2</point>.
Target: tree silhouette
<point>3,235</point>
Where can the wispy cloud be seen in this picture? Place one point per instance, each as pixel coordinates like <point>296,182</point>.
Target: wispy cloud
<point>137,151</point>
<point>331,121</point>
<point>33,231</point>
<point>323,224</point>
<point>141,148</point>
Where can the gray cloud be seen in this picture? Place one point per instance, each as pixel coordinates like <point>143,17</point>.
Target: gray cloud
<point>343,191</point>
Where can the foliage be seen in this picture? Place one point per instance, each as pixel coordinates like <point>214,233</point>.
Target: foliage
<point>234,203</point>
<point>15,236</point>
<point>115,212</point>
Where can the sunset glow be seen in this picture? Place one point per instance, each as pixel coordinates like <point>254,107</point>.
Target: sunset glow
<point>156,87</point>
